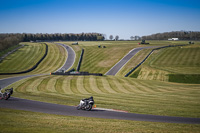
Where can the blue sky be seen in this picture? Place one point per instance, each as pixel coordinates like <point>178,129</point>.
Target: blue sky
<point>112,17</point>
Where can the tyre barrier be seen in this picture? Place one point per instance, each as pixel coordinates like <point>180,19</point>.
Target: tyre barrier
<point>31,69</point>
<point>149,55</point>
<point>80,60</point>
<point>76,73</point>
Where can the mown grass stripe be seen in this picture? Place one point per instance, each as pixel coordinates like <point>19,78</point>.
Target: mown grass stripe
<point>59,84</point>
<point>43,85</point>
<point>100,85</point>
<point>23,87</point>
<point>48,61</point>
<point>159,56</point>
<point>131,88</point>
<point>121,88</point>
<point>93,85</point>
<point>66,85</point>
<point>139,86</point>
<point>151,88</point>
<point>51,85</point>
<point>26,55</point>
<point>126,86</point>
<point>87,86</point>
<point>62,55</point>
<point>33,85</point>
<point>106,85</point>
<point>30,59</point>
<point>169,57</point>
<point>80,85</point>
<point>56,56</point>
<point>5,65</point>
<point>113,85</point>
<point>73,86</point>
<point>23,59</point>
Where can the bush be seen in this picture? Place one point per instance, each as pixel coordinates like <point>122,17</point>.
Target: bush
<point>185,78</point>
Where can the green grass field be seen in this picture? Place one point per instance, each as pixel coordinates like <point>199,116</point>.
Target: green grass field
<point>172,61</point>
<point>133,95</point>
<point>133,62</point>
<point>182,60</point>
<point>24,121</point>
<point>150,93</point>
<point>100,60</point>
<point>23,59</point>
<point>29,55</point>
<point>8,50</point>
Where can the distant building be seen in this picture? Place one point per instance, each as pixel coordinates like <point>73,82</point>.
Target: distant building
<point>75,43</point>
<point>173,39</point>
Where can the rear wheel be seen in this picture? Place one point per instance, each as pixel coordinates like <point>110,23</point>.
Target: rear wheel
<point>88,107</point>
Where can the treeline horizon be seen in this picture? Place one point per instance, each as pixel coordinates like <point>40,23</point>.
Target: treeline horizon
<point>182,35</point>
<point>10,39</point>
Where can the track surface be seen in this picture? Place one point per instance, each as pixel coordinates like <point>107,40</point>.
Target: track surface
<point>70,59</point>
<point>8,81</point>
<point>115,69</point>
<point>69,62</point>
<point>35,106</point>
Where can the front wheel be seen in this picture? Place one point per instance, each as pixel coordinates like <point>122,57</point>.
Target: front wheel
<point>78,107</point>
<point>7,96</point>
<point>88,107</point>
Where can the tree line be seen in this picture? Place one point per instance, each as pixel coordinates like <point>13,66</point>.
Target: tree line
<point>63,37</point>
<point>182,35</point>
<point>116,37</point>
<point>8,40</point>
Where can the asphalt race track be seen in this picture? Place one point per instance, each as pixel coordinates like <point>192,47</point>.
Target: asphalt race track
<point>35,106</point>
<point>8,81</point>
<point>69,62</point>
<point>70,59</point>
<point>124,60</point>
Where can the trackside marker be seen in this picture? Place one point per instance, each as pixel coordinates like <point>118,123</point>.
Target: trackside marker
<point>111,110</point>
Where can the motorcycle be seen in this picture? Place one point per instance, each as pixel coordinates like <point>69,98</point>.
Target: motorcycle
<point>86,104</point>
<point>6,95</point>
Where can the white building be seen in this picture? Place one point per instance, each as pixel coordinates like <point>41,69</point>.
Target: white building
<point>173,39</point>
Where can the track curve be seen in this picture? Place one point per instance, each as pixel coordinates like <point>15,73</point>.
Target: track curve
<point>115,69</point>
<point>36,106</point>
<point>68,63</point>
<point>70,58</point>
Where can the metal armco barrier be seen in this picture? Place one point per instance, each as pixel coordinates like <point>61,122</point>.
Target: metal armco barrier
<point>31,69</point>
<point>149,55</point>
<point>80,60</point>
<point>77,73</point>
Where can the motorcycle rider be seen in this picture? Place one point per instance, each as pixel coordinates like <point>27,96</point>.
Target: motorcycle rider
<point>86,100</point>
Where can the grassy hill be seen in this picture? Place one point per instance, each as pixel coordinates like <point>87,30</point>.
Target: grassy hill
<point>25,121</point>
<point>100,60</point>
<point>23,59</point>
<point>30,54</point>
<point>147,94</point>
<point>133,95</point>
<point>166,63</point>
